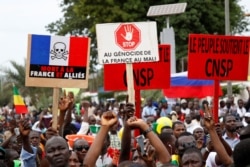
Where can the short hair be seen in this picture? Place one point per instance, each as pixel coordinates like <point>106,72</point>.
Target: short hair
<point>227,115</point>
<point>165,137</point>
<point>56,138</point>
<point>177,123</point>
<point>182,134</point>
<point>185,134</point>
<point>193,150</point>
<point>74,144</point>
<point>241,152</point>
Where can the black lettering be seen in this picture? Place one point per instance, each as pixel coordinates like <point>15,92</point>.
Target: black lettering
<point>229,66</point>
<point>164,53</point>
<point>209,61</point>
<point>143,77</point>
<point>150,74</point>
<point>216,68</point>
<point>192,41</point>
<point>223,67</point>
<point>136,77</point>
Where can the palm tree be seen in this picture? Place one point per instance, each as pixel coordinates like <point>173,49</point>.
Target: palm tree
<point>16,75</point>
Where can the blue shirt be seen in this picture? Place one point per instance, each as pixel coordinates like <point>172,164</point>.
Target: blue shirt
<point>231,142</point>
<point>28,159</point>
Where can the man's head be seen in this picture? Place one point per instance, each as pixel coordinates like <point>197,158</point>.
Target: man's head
<point>184,103</point>
<point>91,120</point>
<point>198,132</point>
<point>240,103</point>
<point>149,102</point>
<point>57,151</point>
<point>178,127</point>
<point>191,105</point>
<point>241,153</point>
<point>229,123</point>
<point>73,160</point>
<point>188,119</point>
<point>177,108</point>
<point>222,104</point>
<point>192,157</point>
<point>34,138</point>
<point>81,148</point>
<point>186,140</point>
<point>169,141</point>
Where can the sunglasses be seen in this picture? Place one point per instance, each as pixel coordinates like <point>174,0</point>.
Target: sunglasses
<point>80,148</point>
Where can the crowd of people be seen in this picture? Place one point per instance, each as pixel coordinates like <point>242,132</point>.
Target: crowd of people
<point>182,135</point>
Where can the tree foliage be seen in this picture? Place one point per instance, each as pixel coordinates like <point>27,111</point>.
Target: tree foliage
<point>16,75</point>
<point>203,16</point>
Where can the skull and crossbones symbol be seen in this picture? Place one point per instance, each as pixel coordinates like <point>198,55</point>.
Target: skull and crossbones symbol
<point>59,51</point>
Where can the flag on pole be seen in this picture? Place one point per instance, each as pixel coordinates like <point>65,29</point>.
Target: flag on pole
<point>19,105</point>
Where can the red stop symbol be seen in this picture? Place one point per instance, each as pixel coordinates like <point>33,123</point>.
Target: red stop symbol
<point>127,36</point>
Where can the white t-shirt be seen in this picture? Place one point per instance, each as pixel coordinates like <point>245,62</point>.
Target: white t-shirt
<point>210,162</point>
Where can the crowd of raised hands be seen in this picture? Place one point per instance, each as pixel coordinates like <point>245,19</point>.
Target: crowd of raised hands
<point>45,144</point>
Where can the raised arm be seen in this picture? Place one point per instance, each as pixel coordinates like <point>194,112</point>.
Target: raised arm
<point>108,120</point>
<point>65,104</point>
<point>161,151</point>
<point>222,156</point>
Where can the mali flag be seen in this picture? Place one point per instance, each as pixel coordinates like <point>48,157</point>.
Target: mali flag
<point>19,105</point>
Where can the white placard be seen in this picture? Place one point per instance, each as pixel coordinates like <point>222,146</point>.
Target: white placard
<point>133,42</point>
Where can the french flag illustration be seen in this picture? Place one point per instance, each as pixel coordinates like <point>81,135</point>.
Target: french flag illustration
<point>183,87</point>
<point>59,50</point>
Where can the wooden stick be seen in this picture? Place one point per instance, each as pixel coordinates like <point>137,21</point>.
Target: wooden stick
<point>130,82</point>
<point>55,107</point>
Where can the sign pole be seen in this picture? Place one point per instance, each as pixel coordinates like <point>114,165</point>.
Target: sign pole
<point>138,103</point>
<point>130,82</point>
<point>55,107</point>
<point>216,100</point>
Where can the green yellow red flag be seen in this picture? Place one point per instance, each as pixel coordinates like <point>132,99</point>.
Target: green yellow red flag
<point>19,105</point>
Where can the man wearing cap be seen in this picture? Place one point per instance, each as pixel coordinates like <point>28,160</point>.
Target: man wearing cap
<point>184,108</point>
<point>164,108</point>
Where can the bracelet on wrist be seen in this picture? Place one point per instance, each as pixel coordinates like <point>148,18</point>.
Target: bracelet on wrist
<point>147,131</point>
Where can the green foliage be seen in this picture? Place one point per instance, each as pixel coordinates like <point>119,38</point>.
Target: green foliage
<point>203,16</point>
<point>121,97</point>
<point>16,75</point>
<point>105,95</point>
<point>88,98</point>
<point>235,90</point>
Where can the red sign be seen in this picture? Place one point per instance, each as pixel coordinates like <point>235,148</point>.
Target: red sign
<point>218,57</point>
<point>148,75</point>
<point>127,36</point>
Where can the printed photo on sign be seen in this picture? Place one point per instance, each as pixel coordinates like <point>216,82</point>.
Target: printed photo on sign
<point>58,57</point>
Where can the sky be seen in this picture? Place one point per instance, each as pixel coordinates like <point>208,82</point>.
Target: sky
<point>19,18</point>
